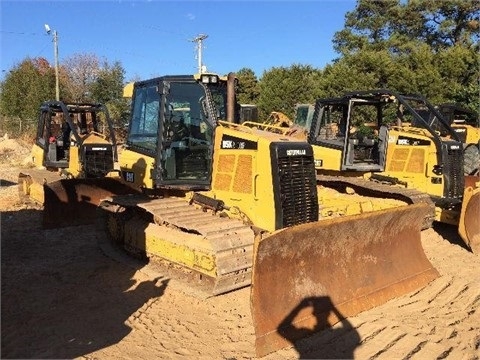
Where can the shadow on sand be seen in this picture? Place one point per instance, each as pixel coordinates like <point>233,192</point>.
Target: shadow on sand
<point>319,340</point>
<point>61,296</point>
<point>450,233</point>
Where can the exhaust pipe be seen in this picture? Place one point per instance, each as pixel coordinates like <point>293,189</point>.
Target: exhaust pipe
<point>231,97</point>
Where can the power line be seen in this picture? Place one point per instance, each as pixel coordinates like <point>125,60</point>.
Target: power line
<point>20,33</point>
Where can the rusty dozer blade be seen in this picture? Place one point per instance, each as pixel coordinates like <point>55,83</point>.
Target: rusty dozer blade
<point>310,276</point>
<point>69,202</point>
<point>469,224</point>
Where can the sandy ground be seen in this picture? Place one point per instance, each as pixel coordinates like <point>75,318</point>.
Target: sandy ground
<point>62,297</point>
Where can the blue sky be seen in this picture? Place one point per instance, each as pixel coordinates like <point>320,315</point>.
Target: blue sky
<point>154,38</point>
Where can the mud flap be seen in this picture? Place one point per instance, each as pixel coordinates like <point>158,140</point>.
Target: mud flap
<point>469,224</point>
<point>70,202</point>
<point>311,276</point>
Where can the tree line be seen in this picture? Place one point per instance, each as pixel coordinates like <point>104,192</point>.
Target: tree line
<point>425,47</point>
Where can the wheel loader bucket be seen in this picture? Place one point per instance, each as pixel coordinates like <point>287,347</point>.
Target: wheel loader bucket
<point>310,276</point>
<point>70,202</point>
<point>469,224</point>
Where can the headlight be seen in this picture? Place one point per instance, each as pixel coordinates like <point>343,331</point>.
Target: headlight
<point>209,79</point>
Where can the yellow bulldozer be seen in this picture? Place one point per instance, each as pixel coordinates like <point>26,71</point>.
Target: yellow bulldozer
<point>466,123</point>
<point>74,146</point>
<point>396,140</point>
<point>227,206</point>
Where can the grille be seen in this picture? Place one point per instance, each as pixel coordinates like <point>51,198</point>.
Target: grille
<point>97,160</point>
<point>298,190</point>
<point>453,170</point>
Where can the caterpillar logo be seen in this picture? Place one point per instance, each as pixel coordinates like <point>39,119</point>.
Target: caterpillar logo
<point>296,152</point>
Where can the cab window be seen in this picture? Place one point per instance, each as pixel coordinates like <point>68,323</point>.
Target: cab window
<point>143,133</point>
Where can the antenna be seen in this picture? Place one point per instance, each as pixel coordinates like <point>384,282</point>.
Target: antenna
<point>198,39</point>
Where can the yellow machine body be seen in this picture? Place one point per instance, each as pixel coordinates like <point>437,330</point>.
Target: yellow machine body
<point>75,144</point>
<point>216,197</point>
<point>412,164</point>
<point>394,139</point>
<point>472,133</point>
<point>469,224</point>
<point>466,124</point>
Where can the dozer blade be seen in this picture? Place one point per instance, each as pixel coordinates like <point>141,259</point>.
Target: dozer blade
<point>310,276</point>
<point>469,224</point>
<point>69,202</point>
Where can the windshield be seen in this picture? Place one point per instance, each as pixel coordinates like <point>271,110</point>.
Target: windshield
<point>304,115</point>
<point>187,135</point>
<point>219,95</point>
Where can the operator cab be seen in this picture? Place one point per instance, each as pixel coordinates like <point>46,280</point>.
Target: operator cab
<point>351,126</point>
<point>61,124</point>
<point>173,121</point>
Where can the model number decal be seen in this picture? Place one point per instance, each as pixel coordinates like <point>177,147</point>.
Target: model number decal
<point>129,176</point>
<point>412,141</point>
<point>233,142</point>
<point>230,144</point>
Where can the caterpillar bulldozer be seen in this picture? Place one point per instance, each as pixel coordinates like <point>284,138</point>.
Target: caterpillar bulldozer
<point>400,140</point>
<point>227,206</point>
<point>74,146</point>
<point>466,123</point>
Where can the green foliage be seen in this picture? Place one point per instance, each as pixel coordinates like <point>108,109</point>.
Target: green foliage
<point>426,47</point>
<point>281,88</point>
<point>443,23</point>
<point>369,25</point>
<point>468,96</point>
<point>379,24</point>
<point>108,89</point>
<point>24,88</point>
<point>108,84</point>
<point>247,92</point>
<point>32,82</point>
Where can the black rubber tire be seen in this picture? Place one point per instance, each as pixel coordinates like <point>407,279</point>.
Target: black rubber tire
<point>471,159</point>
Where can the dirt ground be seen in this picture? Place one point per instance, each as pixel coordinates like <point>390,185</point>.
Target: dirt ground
<point>62,297</point>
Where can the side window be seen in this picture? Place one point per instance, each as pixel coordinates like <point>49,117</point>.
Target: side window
<point>333,122</point>
<point>145,118</point>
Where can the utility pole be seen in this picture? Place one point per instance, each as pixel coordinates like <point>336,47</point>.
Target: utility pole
<point>55,44</point>
<point>198,40</point>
